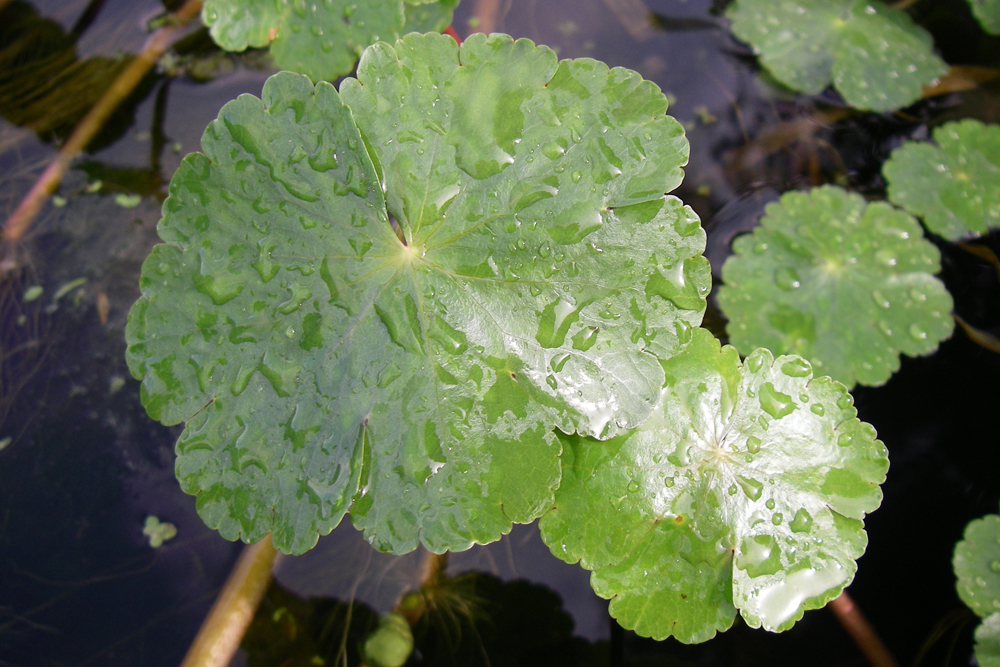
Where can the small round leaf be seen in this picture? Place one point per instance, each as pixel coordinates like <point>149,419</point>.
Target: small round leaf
<point>988,14</point>
<point>349,318</point>
<point>744,491</point>
<point>845,284</point>
<point>988,642</point>
<point>977,565</point>
<point>953,186</point>
<point>320,39</point>
<point>874,55</point>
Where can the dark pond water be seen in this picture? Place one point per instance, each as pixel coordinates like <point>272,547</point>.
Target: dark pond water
<point>84,466</point>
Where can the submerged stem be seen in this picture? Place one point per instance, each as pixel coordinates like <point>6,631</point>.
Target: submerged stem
<point>861,632</point>
<point>20,221</point>
<point>230,616</point>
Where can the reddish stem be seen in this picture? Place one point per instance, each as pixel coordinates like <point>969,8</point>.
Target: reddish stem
<point>861,632</point>
<point>20,221</point>
<point>450,31</point>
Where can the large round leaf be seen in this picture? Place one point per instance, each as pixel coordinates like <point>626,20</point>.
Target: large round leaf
<point>320,39</point>
<point>954,186</point>
<point>745,491</point>
<point>845,284</point>
<point>874,55</point>
<point>988,642</point>
<point>317,355</point>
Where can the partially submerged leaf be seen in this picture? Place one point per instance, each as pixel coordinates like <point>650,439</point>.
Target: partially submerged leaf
<point>321,39</point>
<point>953,186</point>
<point>845,284</point>
<point>321,360</point>
<point>988,14</point>
<point>744,491</point>
<point>874,55</point>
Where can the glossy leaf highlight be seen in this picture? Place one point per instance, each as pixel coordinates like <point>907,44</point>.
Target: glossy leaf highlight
<point>954,186</point>
<point>845,284</point>
<point>324,362</point>
<point>874,55</point>
<point>744,491</point>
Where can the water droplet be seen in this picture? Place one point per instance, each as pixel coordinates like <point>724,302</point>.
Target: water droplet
<point>880,299</point>
<point>753,444</point>
<point>759,248</point>
<point>995,566</point>
<point>669,482</point>
<point>770,504</point>
<point>633,486</point>
<point>802,522</point>
<point>775,403</point>
<point>755,362</point>
<point>787,278</point>
<point>798,368</point>
<point>818,409</point>
<point>777,518</point>
<point>845,401</point>
<point>751,487</point>
<point>917,332</point>
<point>732,489</point>
<point>845,439</point>
<point>576,176</point>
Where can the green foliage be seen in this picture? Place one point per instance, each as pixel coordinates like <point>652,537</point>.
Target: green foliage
<point>390,644</point>
<point>953,186</point>
<point>845,284</point>
<point>874,55</point>
<point>977,566</point>
<point>988,14</point>
<point>322,39</point>
<point>324,363</point>
<point>745,491</point>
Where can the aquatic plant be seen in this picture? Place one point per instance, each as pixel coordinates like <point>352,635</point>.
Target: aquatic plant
<point>875,56</point>
<point>953,185</point>
<point>323,39</point>
<point>398,300</point>
<point>977,567</point>
<point>846,284</point>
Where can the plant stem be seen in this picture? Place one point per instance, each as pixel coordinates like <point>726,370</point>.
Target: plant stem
<point>487,11</point>
<point>861,632</point>
<point>20,221</point>
<point>222,631</point>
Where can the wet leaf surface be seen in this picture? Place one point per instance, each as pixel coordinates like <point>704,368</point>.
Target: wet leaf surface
<point>319,359</point>
<point>988,642</point>
<point>953,186</point>
<point>845,284</point>
<point>321,40</point>
<point>874,55</point>
<point>745,491</point>
<point>977,565</point>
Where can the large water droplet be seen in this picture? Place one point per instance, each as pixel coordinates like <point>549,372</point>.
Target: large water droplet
<point>787,278</point>
<point>751,487</point>
<point>753,444</point>
<point>775,403</point>
<point>798,368</point>
<point>802,522</point>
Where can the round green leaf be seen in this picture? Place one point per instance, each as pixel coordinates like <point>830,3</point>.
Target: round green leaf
<point>953,186</point>
<point>320,39</point>
<point>874,55</point>
<point>845,284</point>
<point>988,642</point>
<point>988,14</point>
<point>320,359</point>
<point>744,491</point>
<point>977,565</point>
